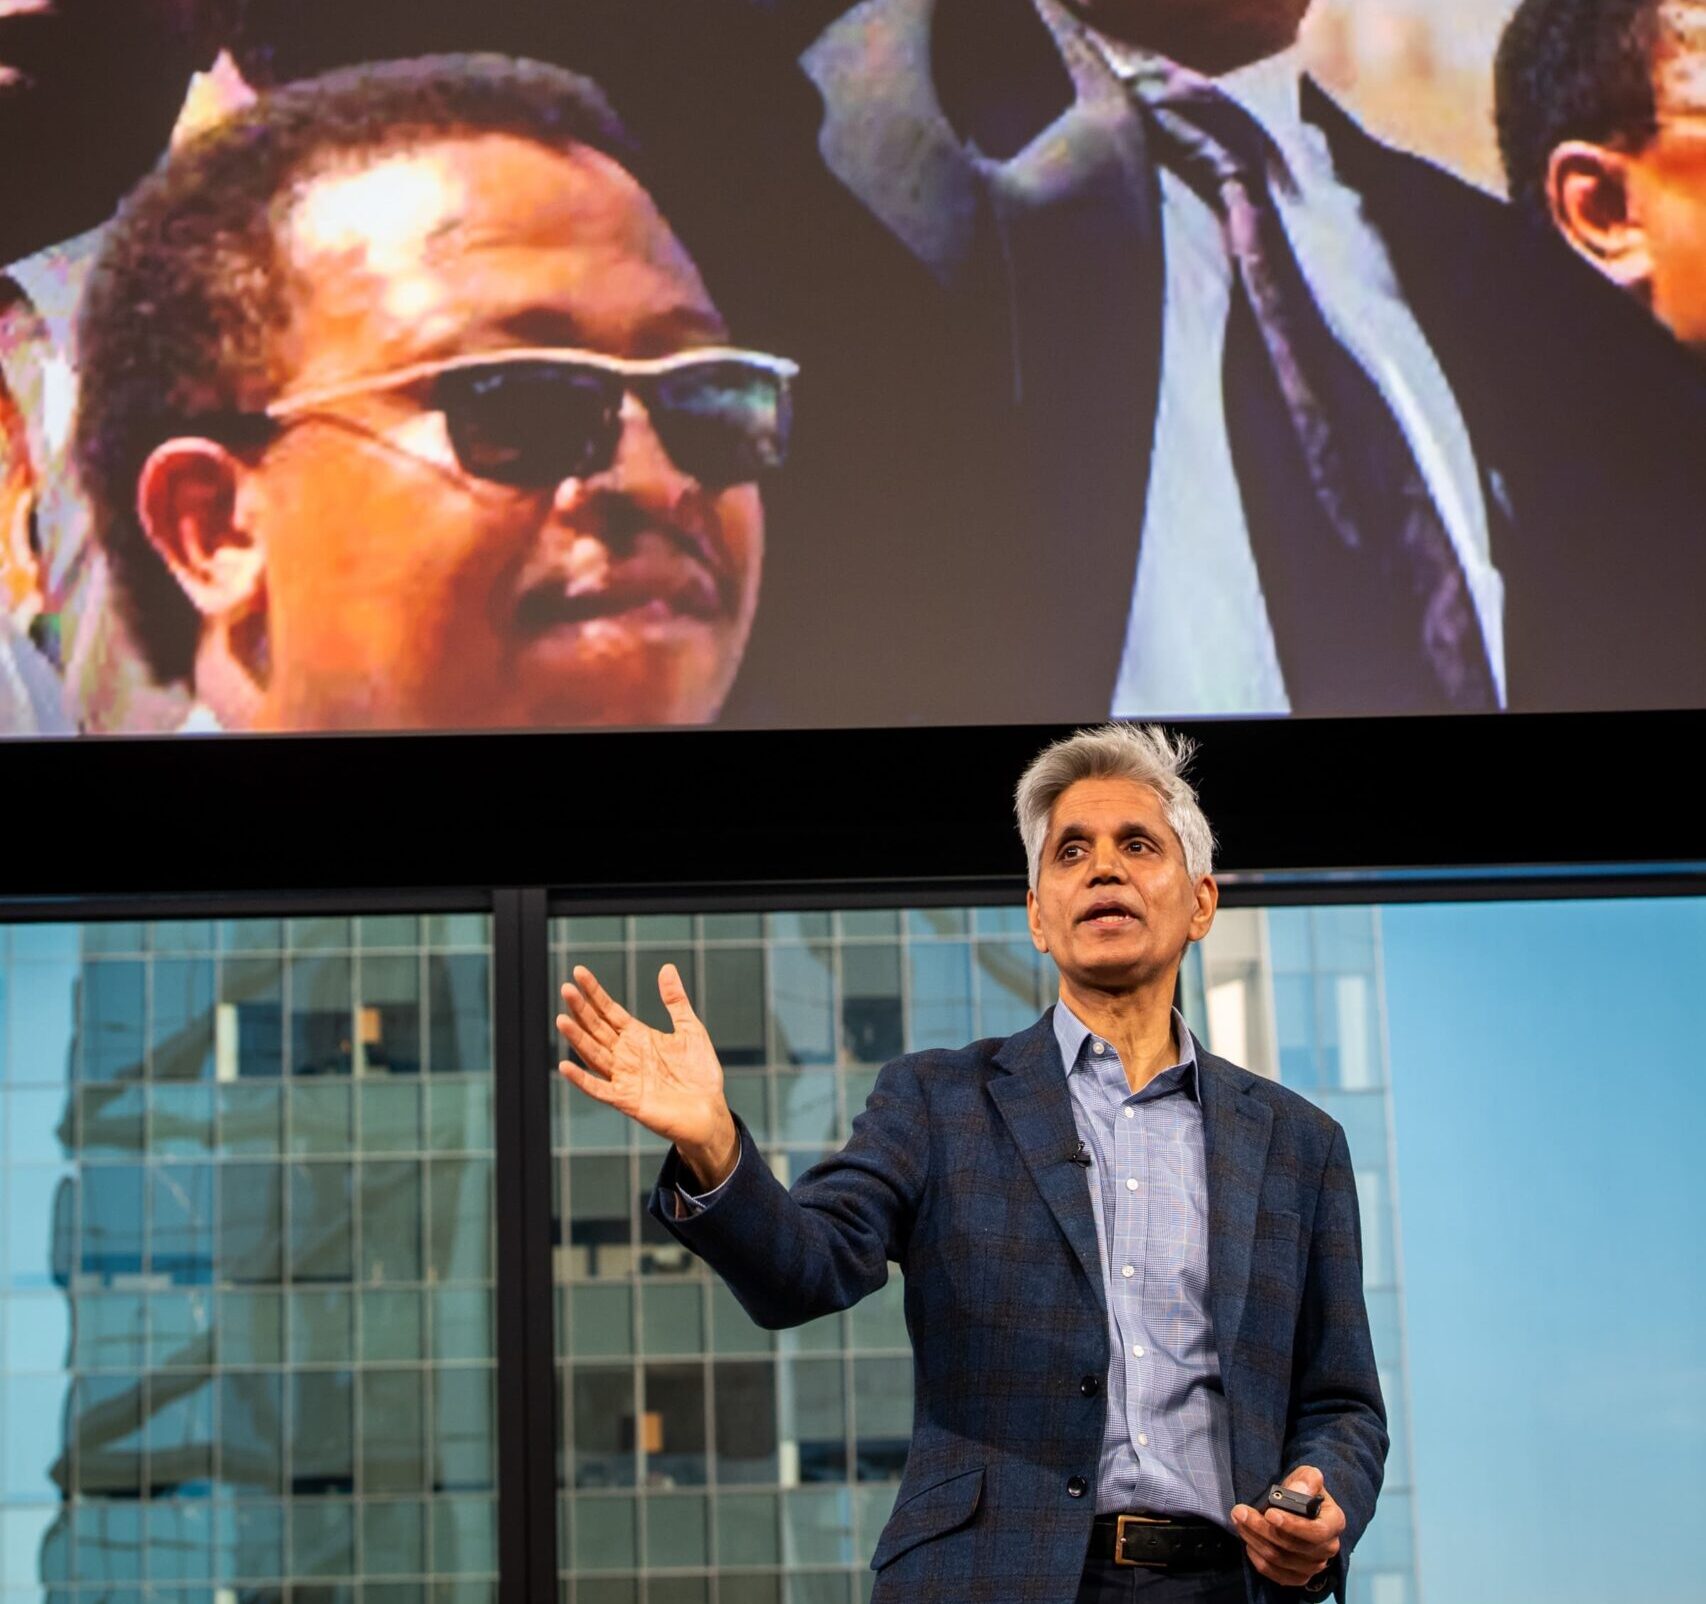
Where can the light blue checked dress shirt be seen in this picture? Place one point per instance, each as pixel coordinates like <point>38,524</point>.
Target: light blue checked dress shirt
<point>1166,1449</point>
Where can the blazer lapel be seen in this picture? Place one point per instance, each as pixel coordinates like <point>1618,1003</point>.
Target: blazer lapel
<point>1236,1129</point>
<point>885,135</point>
<point>1077,213</point>
<point>1033,1100</point>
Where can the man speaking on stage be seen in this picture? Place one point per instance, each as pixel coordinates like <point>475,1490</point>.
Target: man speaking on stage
<point>1133,1270</point>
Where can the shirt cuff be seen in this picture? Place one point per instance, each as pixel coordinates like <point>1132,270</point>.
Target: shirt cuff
<point>692,1203</point>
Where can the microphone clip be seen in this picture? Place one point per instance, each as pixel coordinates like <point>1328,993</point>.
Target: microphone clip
<point>1082,1156</point>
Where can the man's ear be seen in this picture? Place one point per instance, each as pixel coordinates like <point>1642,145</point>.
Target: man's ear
<point>1033,918</point>
<point>189,499</point>
<point>1592,196</point>
<point>1207,895</point>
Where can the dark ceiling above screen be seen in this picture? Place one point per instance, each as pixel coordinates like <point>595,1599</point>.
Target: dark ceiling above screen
<point>782,365</point>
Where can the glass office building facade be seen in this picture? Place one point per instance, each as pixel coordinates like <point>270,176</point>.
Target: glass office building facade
<point>247,1336</point>
<point>248,1269</point>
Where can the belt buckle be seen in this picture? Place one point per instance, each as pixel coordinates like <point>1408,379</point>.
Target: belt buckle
<point>1120,1524</point>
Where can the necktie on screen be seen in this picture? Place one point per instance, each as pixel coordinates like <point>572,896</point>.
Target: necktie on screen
<point>1370,606</point>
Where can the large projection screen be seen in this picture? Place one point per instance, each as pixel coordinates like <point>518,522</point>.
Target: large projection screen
<point>388,365</point>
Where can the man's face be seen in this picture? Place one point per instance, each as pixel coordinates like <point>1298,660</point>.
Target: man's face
<point>1668,177</point>
<point>403,592</point>
<point>1114,904</point>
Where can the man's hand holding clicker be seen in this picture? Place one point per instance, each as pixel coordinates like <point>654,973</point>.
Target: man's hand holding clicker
<point>672,1083</point>
<point>1287,1548</point>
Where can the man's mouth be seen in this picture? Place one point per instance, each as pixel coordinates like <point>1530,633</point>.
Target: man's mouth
<point>1108,915</point>
<point>650,587</point>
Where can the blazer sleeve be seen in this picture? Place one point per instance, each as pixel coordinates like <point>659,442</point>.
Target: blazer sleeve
<point>790,1256</point>
<point>1337,1419</point>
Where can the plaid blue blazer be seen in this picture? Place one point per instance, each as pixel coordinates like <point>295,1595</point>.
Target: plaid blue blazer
<point>960,1171</point>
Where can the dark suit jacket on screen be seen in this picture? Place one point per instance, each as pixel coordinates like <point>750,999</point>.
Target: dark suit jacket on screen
<point>960,1171</point>
<point>977,556</point>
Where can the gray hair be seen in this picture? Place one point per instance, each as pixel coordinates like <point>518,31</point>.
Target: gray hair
<point>1145,753</point>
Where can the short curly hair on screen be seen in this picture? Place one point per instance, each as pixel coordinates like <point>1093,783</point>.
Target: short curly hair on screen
<point>1144,753</point>
<point>183,328</point>
<point>1572,69</point>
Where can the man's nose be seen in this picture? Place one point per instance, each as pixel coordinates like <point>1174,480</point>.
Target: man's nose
<point>1106,862</point>
<point>640,473</point>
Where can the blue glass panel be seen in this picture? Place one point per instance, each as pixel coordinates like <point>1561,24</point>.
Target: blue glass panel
<point>181,1040</point>
<point>802,1004</point>
<point>941,995</point>
<point>114,1009</point>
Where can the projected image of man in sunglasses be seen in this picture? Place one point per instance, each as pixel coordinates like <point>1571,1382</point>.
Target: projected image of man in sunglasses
<point>425,418</point>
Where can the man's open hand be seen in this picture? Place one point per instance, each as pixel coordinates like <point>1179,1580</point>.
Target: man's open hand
<point>1286,1548</point>
<point>670,1083</point>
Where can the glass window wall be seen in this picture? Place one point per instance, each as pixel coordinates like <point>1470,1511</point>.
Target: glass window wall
<point>246,1281</point>
<point>247,1266</point>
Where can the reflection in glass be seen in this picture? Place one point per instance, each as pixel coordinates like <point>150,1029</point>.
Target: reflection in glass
<point>221,1364</point>
<point>604,1431</point>
<point>1015,983</point>
<point>672,1426</point>
<point>871,1022</point>
<point>606,1536</point>
<point>601,1321</point>
<point>732,1004</point>
<point>114,1007</point>
<point>745,1407</point>
<point>181,1045</point>
<point>814,1418</point>
<point>802,1012</point>
<point>882,1414</point>
<point>672,1318</point>
<point>942,996</point>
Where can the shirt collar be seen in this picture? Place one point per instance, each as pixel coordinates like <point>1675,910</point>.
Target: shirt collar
<point>1073,1036</point>
<point>1271,90</point>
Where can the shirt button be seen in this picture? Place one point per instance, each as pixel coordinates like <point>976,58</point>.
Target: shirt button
<point>1076,1487</point>
<point>1090,1386</point>
<point>1101,1047</point>
<point>1131,1184</point>
<point>1130,1113</point>
<point>1137,1351</point>
<point>1142,1439</point>
<point>1128,1271</point>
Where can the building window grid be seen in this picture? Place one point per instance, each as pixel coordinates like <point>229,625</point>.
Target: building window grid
<point>970,929</point>
<point>80,1511</point>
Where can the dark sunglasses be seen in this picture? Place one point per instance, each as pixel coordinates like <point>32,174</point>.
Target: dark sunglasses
<point>532,418</point>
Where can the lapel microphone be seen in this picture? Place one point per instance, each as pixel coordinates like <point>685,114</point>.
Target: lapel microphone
<point>1082,1156</point>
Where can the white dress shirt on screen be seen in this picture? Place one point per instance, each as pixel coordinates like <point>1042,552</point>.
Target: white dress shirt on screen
<point>1198,639</point>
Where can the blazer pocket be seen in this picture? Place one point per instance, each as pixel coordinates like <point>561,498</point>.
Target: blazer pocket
<point>931,1512</point>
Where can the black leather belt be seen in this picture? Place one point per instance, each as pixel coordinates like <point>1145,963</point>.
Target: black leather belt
<point>1158,1543</point>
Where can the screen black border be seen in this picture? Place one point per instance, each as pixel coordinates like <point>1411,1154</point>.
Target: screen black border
<point>1303,809</point>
